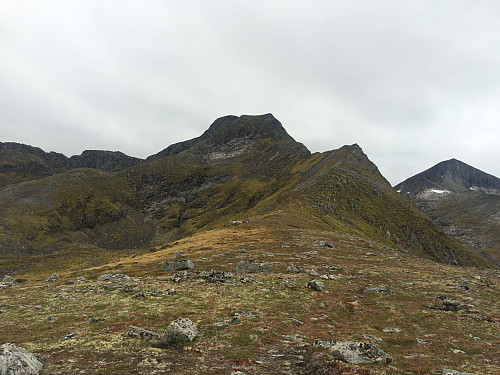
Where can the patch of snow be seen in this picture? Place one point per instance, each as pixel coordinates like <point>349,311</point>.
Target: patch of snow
<point>399,191</point>
<point>440,191</point>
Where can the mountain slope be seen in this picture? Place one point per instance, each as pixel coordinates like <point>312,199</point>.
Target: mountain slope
<point>20,163</point>
<point>240,167</point>
<point>463,200</point>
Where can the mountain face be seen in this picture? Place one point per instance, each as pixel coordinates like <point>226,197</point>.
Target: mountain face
<point>19,162</point>
<point>240,167</point>
<point>451,175</point>
<point>462,200</point>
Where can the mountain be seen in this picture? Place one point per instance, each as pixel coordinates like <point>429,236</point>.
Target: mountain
<point>246,166</point>
<point>19,162</point>
<point>463,200</point>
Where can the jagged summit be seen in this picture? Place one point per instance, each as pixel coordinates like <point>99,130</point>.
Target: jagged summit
<point>233,135</point>
<point>450,175</point>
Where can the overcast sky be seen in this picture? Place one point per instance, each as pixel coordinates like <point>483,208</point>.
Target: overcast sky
<point>412,82</point>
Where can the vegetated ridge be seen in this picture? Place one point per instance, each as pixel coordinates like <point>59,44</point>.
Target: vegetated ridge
<point>240,167</point>
<point>463,200</point>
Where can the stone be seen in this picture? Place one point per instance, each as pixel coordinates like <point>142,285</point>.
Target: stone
<point>448,304</point>
<point>179,276</point>
<point>379,289</point>
<point>455,372</point>
<point>241,251</point>
<point>141,333</point>
<point>53,277</point>
<point>18,361</point>
<point>294,268</point>
<point>252,266</point>
<point>177,265</point>
<point>214,276</point>
<point>316,285</point>
<point>178,254</point>
<point>113,276</point>
<point>326,244</point>
<point>81,279</point>
<point>391,330</point>
<point>9,280</point>
<point>70,335</point>
<point>179,331</point>
<point>359,353</point>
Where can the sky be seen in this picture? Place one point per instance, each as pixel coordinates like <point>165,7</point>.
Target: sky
<point>412,82</point>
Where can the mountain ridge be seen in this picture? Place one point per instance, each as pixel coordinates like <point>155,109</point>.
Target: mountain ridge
<point>245,166</point>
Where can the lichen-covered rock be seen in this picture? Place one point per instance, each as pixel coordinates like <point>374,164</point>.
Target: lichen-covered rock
<point>178,254</point>
<point>214,276</point>
<point>379,289</point>
<point>294,268</point>
<point>448,304</point>
<point>53,277</point>
<point>18,361</point>
<point>252,266</point>
<point>141,333</point>
<point>113,276</point>
<point>359,353</point>
<point>316,285</point>
<point>177,265</point>
<point>179,331</point>
<point>9,280</point>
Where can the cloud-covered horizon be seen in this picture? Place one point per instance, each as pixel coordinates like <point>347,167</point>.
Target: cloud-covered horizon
<point>413,83</point>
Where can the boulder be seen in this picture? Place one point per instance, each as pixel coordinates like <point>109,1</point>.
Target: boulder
<point>252,266</point>
<point>9,280</point>
<point>178,254</point>
<point>448,304</point>
<point>379,289</point>
<point>214,276</point>
<point>177,265</point>
<point>53,277</point>
<point>294,268</point>
<point>18,361</point>
<point>113,276</point>
<point>359,353</point>
<point>179,331</point>
<point>141,333</point>
<point>316,285</point>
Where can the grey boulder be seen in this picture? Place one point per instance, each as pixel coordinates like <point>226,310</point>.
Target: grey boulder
<point>53,277</point>
<point>177,265</point>
<point>252,266</point>
<point>180,331</point>
<point>359,353</point>
<point>18,361</point>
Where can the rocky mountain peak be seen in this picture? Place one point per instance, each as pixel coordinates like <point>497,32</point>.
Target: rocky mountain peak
<point>234,135</point>
<point>229,128</point>
<point>451,175</point>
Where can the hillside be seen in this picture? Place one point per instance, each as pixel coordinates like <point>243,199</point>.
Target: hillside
<point>462,200</point>
<point>275,260</point>
<point>20,163</point>
<point>240,167</point>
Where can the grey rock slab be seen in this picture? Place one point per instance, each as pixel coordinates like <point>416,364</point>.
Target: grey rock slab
<point>359,353</point>
<point>9,280</point>
<point>252,266</point>
<point>113,276</point>
<point>448,304</point>
<point>53,277</point>
<point>177,265</point>
<point>18,361</point>
<point>316,285</point>
<point>180,330</point>
<point>141,333</point>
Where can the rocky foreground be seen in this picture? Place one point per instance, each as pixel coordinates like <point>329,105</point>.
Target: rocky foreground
<point>255,297</point>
